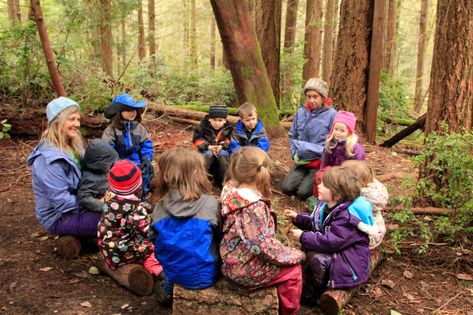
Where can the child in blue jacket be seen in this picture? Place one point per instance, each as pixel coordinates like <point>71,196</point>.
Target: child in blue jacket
<point>249,131</point>
<point>186,223</point>
<point>129,137</point>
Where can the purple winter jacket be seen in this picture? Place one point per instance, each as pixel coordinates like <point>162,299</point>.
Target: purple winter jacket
<point>339,237</point>
<point>338,156</point>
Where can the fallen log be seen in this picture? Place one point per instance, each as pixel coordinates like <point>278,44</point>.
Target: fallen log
<point>134,277</point>
<point>432,210</point>
<point>225,298</point>
<point>333,301</point>
<point>68,247</point>
<point>418,124</point>
<point>185,121</point>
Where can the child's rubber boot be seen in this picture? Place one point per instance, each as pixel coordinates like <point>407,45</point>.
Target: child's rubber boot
<point>68,247</point>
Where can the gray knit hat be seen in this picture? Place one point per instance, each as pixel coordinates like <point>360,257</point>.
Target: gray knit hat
<point>318,85</point>
<point>218,111</point>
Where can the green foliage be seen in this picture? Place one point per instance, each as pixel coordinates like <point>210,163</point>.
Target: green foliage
<point>291,76</point>
<point>5,129</point>
<point>446,181</point>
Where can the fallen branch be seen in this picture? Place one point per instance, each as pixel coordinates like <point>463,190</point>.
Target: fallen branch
<point>432,210</point>
<point>185,121</point>
<point>387,177</point>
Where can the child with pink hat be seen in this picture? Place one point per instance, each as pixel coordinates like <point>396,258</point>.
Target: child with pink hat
<point>341,144</point>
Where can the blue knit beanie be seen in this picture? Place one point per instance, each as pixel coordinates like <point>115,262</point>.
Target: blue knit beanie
<point>57,105</point>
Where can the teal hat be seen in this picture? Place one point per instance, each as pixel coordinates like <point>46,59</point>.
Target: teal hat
<point>57,105</point>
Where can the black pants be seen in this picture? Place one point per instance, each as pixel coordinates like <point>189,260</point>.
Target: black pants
<point>299,182</point>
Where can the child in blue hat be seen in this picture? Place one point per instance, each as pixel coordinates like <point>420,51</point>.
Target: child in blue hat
<point>128,136</point>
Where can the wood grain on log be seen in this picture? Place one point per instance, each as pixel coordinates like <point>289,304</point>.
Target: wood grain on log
<point>134,277</point>
<point>432,210</point>
<point>225,298</point>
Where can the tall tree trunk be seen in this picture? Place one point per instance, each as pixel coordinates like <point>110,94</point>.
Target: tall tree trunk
<point>390,31</point>
<point>193,35</point>
<point>268,31</point>
<point>250,77</point>
<point>375,66</point>
<point>123,42</point>
<point>14,14</point>
<point>152,32</point>
<point>48,52</point>
<point>185,34</point>
<point>212,44</point>
<point>351,66</point>
<point>451,78</point>
<point>141,34</point>
<point>106,40</point>
<point>313,21</point>
<point>394,60</point>
<point>291,23</point>
<point>328,37</point>
<point>421,40</point>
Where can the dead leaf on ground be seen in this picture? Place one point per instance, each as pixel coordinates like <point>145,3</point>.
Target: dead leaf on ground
<point>377,292</point>
<point>43,238</point>
<point>81,274</point>
<point>464,276</point>
<point>411,298</point>
<point>13,286</point>
<point>408,274</point>
<point>388,283</point>
<point>393,312</point>
<point>124,306</point>
<point>86,304</point>
<point>72,281</point>
<point>33,235</point>
<point>45,269</point>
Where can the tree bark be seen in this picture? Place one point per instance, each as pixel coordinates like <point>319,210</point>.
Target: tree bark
<point>376,63</point>
<point>141,34</point>
<point>193,35</point>
<point>212,44</point>
<point>250,77</point>
<point>185,26</point>
<point>394,60</point>
<point>421,40</point>
<point>390,38</point>
<point>313,20</point>
<point>152,32</point>
<point>351,66</point>
<point>106,40</point>
<point>123,42</point>
<point>48,52</point>
<point>268,31</point>
<point>451,79</point>
<point>328,37</point>
<point>336,23</point>
<point>291,23</point>
<point>14,14</point>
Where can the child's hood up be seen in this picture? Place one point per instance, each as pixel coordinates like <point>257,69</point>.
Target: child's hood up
<point>99,155</point>
<point>175,206</point>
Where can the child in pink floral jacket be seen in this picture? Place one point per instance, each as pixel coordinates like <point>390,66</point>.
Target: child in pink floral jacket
<point>251,254</point>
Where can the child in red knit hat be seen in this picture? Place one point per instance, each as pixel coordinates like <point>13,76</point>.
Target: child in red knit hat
<point>123,228</point>
<point>341,144</point>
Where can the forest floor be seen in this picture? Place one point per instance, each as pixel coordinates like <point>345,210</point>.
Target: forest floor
<point>34,280</point>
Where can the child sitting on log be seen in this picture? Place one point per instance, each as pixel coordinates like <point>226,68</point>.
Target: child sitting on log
<point>249,130</point>
<point>252,255</point>
<point>186,224</point>
<point>376,194</point>
<point>123,228</point>
<point>337,251</point>
<point>98,159</point>
<point>212,139</point>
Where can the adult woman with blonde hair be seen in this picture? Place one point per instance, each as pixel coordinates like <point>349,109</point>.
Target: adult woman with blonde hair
<point>55,168</point>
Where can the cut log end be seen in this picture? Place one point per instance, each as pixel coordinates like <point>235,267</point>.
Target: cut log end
<point>68,247</point>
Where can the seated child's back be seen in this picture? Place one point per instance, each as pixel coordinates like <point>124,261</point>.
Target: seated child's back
<point>186,222</point>
<point>98,158</point>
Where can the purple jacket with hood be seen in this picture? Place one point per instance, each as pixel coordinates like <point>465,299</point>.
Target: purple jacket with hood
<point>339,237</point>
<point>338,155</point>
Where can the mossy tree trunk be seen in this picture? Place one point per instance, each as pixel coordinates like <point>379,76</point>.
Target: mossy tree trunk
<point>421,40</point>
<point>328,37</point>
<point>313,22</point>
<point>152,33</point>
<point>106,39</point>
<point>249,74</point>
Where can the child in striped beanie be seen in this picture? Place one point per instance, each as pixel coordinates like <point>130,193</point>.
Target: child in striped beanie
<point>123,228</point>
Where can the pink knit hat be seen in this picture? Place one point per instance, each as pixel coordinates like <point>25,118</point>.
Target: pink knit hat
<point>346,118</point>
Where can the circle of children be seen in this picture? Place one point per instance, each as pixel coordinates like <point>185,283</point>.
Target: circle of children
<point>191,237</point>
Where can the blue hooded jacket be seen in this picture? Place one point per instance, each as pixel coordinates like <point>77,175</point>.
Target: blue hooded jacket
<point>55,178</point>
<point>309,131</point>
<point>257,138</point>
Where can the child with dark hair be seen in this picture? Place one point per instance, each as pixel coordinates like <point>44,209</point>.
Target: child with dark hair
<point>98,159</point>
<point>212,139</point>
<point>129,137</point>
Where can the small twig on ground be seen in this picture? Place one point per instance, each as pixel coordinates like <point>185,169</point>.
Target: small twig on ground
<point>397,303</point>
<point>278,192</point>
<point>446,303</point>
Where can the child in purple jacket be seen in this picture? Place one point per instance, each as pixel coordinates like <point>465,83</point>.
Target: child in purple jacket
<point>336,250</point>
<point>341,145</point>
